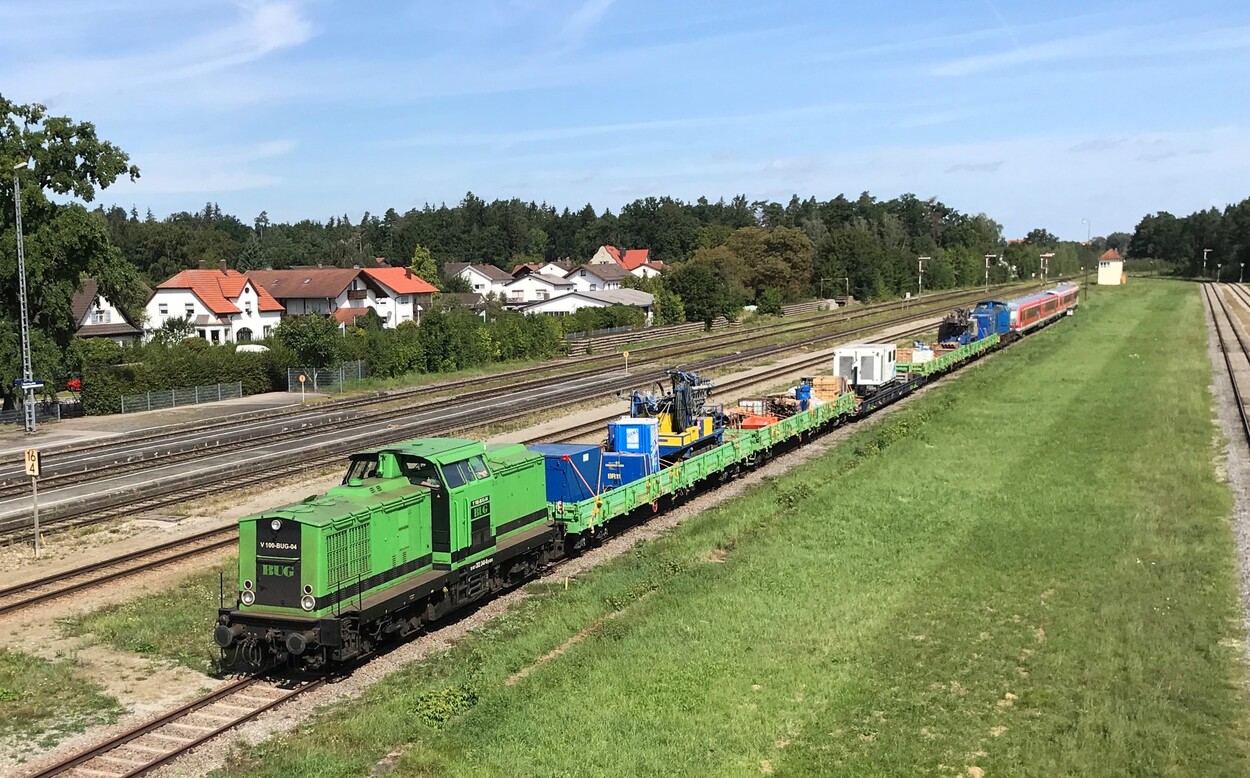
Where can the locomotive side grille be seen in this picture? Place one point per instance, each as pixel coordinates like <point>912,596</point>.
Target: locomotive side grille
<point>348,555</point>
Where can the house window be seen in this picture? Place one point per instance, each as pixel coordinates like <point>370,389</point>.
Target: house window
<point>583,274</point>
<point>268,329</point>
<point>401,300</point>
<point>163,308</point>
<point>190,307</point>
<point>203,334</point>
<point>247,309</point>
<point>593,287</point>
<point>542,294</point>
<point>245,335</point>
<point>101,316</point>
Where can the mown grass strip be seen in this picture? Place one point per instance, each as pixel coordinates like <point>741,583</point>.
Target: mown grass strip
<point>1029,571</point>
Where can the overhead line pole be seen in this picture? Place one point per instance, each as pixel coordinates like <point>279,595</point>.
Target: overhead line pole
<point>28,378</point>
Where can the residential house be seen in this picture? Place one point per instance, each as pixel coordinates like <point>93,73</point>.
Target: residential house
<point>407,294</point>
<point>320,290</point>
<point>96,317</point>
<point>594,278</point>
<point>637,261</point>
<point>222,305</point>
<point>532,287</point>
<point>1110,268</point>
<point>549,268</point>
<point>483,279</point>
<point>576,300</point>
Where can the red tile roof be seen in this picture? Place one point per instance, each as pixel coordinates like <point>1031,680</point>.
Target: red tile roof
<point>304,282</point>
<point>1111,255</point>
<point>216,289</point>
<point>400,279</point>
<point>634,258</point>
<point>349,315</point>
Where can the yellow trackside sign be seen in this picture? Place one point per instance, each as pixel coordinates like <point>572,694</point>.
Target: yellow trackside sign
<point>32,462</point>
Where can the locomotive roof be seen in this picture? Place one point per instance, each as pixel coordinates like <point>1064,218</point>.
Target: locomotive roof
<point>440,450</point>
<point>349,503</point>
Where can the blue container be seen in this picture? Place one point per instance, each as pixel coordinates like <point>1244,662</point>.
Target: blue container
<point>620,469</point>
<point>573,470</point>
<point>628,435</point>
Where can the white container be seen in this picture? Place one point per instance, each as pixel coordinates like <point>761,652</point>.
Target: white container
<point>865,364</point>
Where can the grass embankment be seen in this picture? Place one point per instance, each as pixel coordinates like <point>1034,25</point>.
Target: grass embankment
<point>1027,572</point>
<point>174,623</point>
<point>48,700</point>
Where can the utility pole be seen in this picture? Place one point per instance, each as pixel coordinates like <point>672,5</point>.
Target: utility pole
<point>1242,277</point>
<point>920,275</point>
<point>988,257</point>
<point>1204,261</point>
<point>28,380</point>
<point>1044,264</point>
<point>1085,221</point>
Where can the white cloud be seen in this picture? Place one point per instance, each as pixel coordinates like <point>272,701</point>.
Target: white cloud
<point>579,24</point>
<point>259,30</point>
<point>206,170</point>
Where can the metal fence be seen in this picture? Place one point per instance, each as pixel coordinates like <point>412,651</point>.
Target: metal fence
<point>172,398</point>
<point>44,411</point>
<point>325,379</point>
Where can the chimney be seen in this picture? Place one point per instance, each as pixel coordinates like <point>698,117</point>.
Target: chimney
<point>407,272</point>
<point>203,265</point>
<point>222,267</point>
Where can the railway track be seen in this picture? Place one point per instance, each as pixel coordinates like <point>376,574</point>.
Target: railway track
<point>50,587</point>
<point>47,588</point>
<point>365,430</point>
<point>78,464</point>
<point>1232,346</point>
<point>151,744</point>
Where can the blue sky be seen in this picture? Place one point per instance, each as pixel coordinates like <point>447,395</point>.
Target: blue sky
<point>1038,114</point>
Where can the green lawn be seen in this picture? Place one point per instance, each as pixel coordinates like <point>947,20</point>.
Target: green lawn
<point>1029,572</point>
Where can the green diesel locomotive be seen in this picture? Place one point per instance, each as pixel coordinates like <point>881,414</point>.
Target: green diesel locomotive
<point>413,532</point>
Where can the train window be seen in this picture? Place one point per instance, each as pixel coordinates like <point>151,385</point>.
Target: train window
<point>479,467</point>
<point>362,468</point>
<point>458,474</point>
<point>419,471</point>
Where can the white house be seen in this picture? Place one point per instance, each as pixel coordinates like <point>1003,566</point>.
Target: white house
<point>407,294</point>
<point>96,317</point>
<point>575,301</point>
<point>636,261</point>
<point>482,279</point>
<point>595,278</point>
<point>1110,268</point>
<point>223,305</point>
<point>533,287</point>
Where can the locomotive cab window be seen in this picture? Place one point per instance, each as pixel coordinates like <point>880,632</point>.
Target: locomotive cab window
<point>361,468</point>
<point>419,471</point>
<point>460,473</point>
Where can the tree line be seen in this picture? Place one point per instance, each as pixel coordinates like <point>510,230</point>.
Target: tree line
<point>1179,241</point>
<point>722,255</point>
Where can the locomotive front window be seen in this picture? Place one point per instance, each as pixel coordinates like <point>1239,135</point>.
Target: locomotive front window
<point>362,468</point>
<point>479,467</point>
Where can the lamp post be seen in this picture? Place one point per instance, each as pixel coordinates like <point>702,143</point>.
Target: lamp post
<point>920,275</point>
<point>847,279</point>
<point>1045,264</point>
<point>1204,261</point>
<point>1219,270</point>
<point>988,257</point>
<point>28,380</point>
<point>1085,221</point>
<point>1242,276</point>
